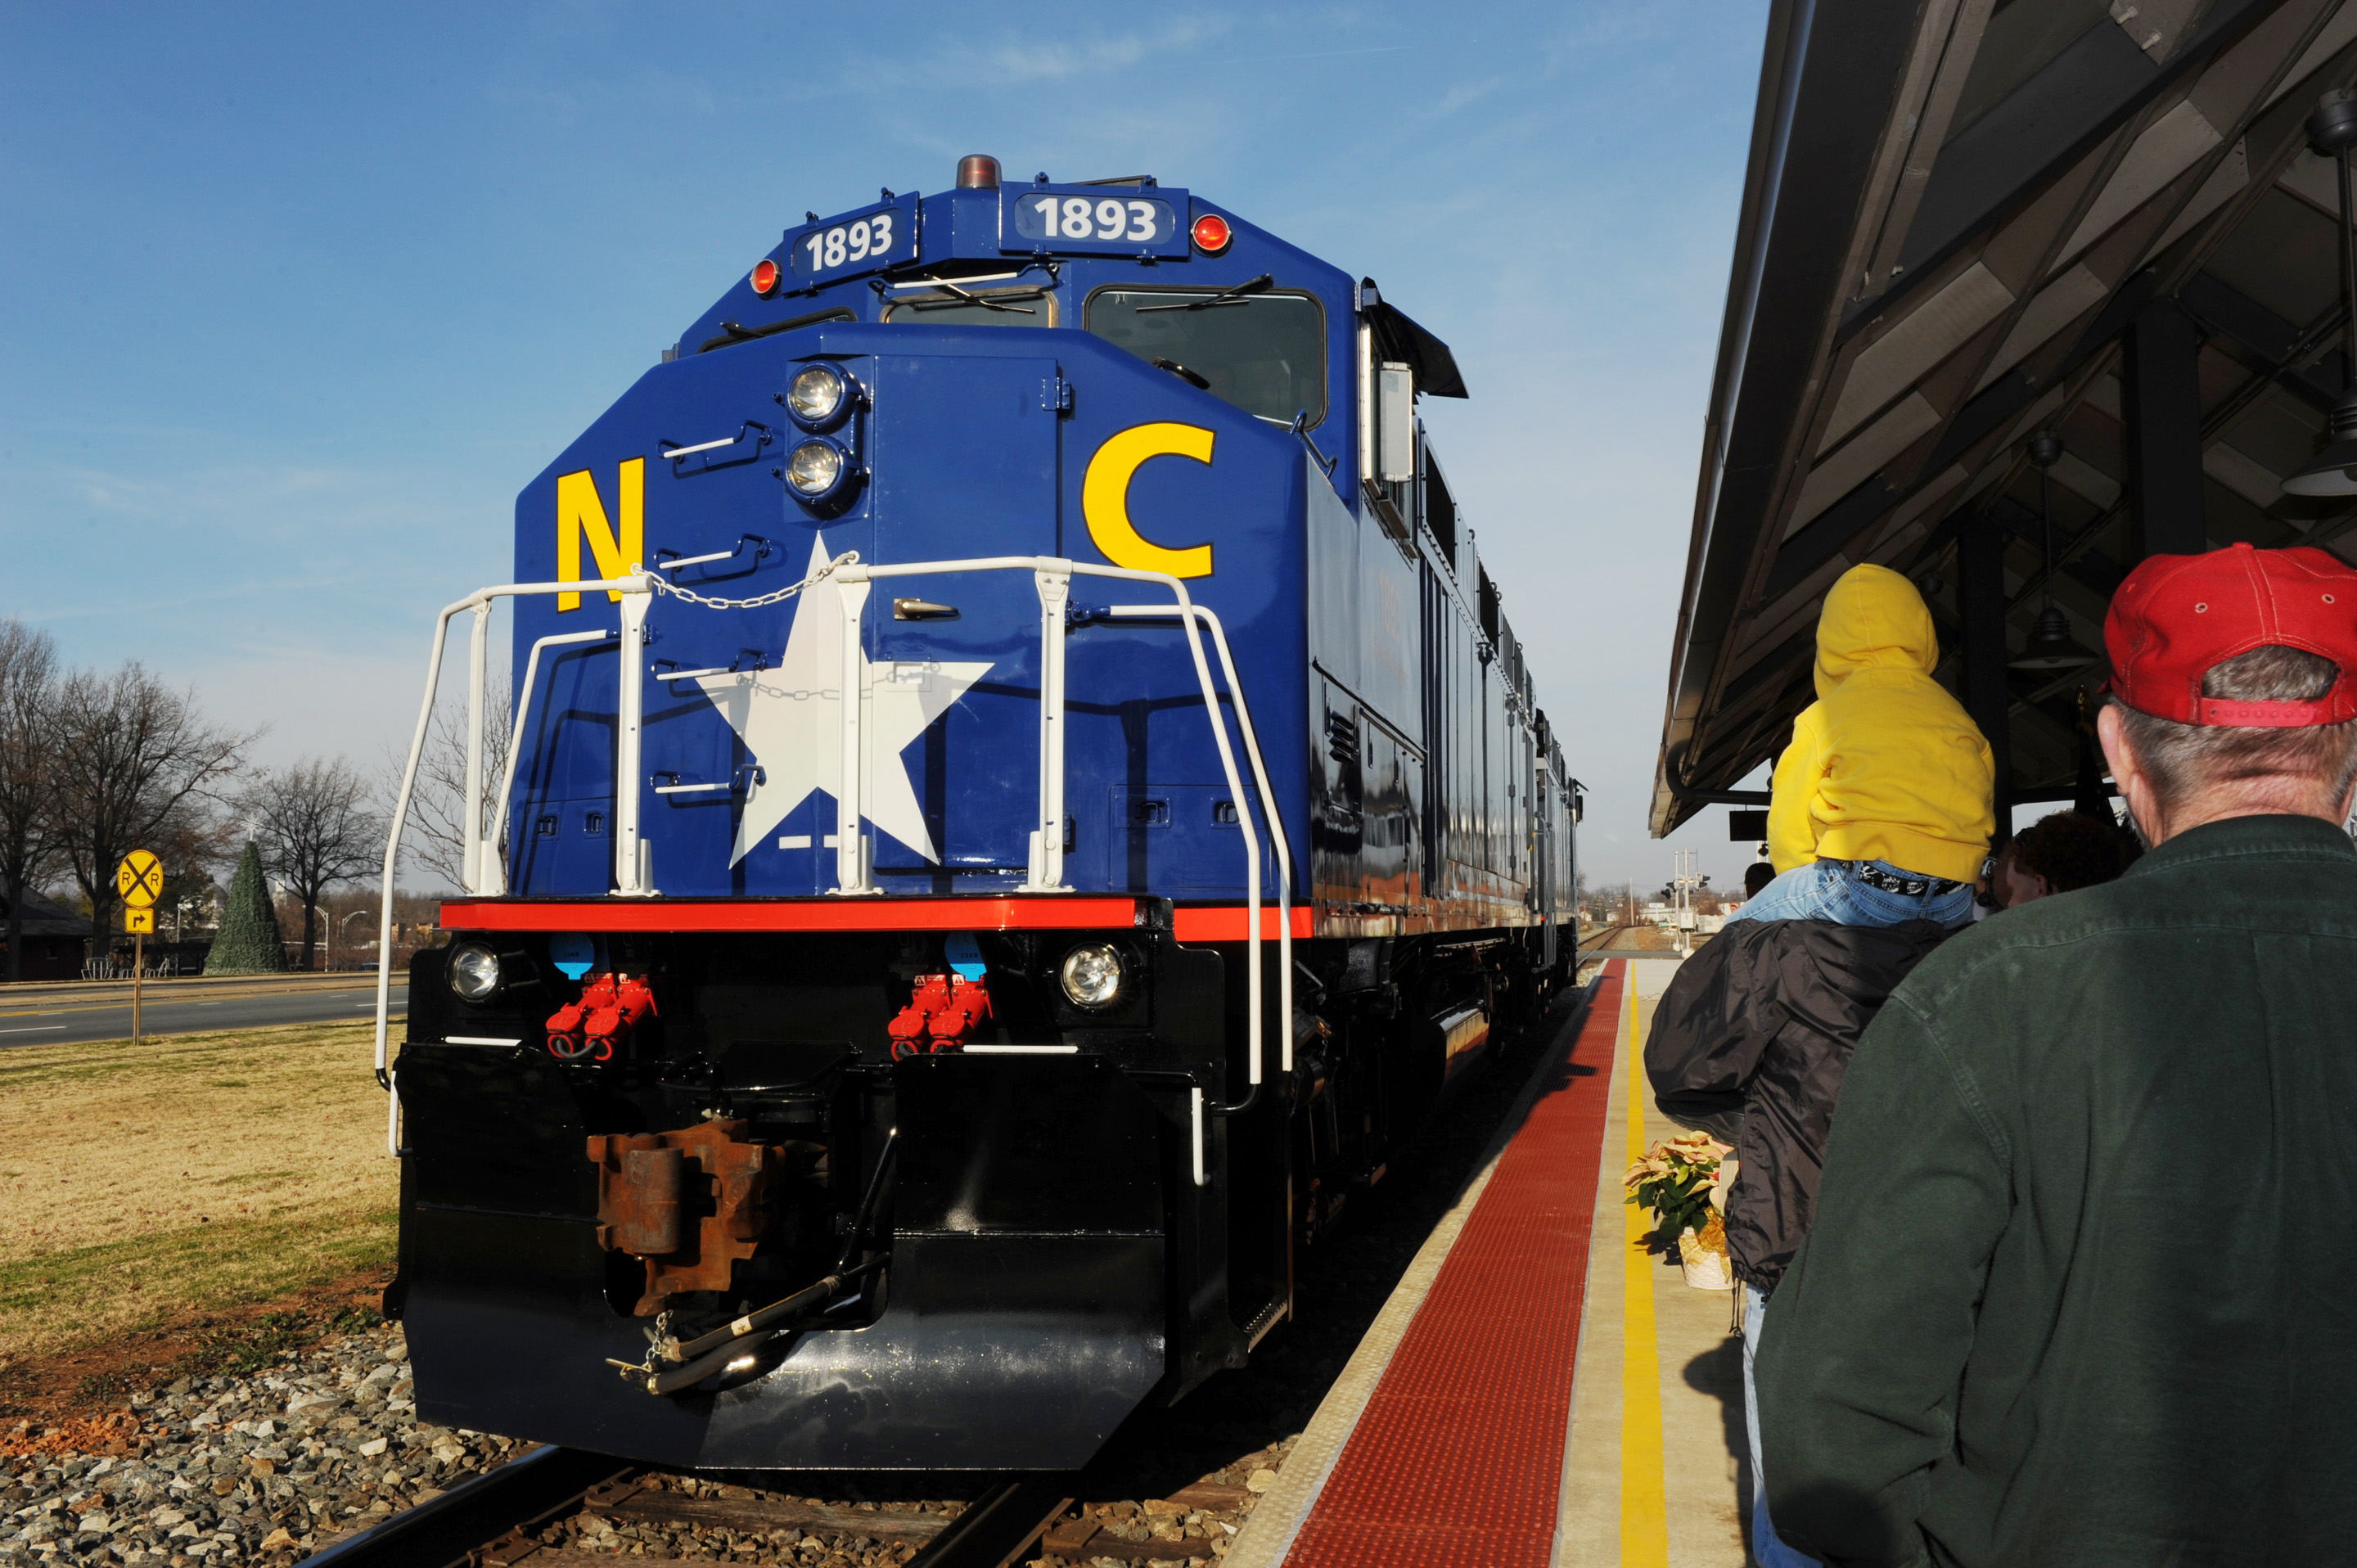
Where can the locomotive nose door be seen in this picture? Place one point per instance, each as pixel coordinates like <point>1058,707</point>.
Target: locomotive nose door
<point>965,452</point>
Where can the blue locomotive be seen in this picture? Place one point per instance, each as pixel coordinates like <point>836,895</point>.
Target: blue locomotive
<point>1020,794</point>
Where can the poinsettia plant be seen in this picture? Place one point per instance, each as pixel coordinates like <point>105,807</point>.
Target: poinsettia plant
<point>1678,1181</point>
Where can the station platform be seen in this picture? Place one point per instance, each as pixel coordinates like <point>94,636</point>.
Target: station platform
<point>1539,1392</point>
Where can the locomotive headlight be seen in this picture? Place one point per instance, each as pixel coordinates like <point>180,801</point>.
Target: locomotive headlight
<point>817,395</point>
<point>474,972</point>
<point>1093,975</point>
<point>818,470</point>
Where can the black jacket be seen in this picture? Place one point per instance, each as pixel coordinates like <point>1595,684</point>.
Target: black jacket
<point>1750,1044</point>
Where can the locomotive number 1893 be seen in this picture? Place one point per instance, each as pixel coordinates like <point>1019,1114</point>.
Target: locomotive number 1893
<point>866,241</point>
<point>848,242</point>
<point>1078,218</point>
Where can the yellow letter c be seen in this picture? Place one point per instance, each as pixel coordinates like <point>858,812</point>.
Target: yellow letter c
<point>1104,497</point>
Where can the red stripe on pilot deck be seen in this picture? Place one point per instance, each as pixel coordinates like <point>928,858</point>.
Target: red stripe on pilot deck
<point>1040,914</point>
<point>1457,1458</point>
<point>1230,925</point>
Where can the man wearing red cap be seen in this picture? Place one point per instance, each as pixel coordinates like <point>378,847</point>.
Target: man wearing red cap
<point>2076,1290</point>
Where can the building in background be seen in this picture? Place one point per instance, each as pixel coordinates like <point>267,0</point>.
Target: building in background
<point>56,940</point>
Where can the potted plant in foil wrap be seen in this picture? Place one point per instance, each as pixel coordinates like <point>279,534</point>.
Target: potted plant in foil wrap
<point>1683,1182</point>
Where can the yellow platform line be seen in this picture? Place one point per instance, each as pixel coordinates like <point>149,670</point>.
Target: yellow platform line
<point>1644,1509</point>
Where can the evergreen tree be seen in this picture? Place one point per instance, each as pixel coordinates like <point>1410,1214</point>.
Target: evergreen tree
<point>248,941</point>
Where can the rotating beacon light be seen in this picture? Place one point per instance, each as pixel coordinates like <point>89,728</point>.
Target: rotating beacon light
<point>765,277</point>
<point>1211,235</point>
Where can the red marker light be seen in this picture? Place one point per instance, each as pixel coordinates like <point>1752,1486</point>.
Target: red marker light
<point>1211,235</point>
<point>765,276</point>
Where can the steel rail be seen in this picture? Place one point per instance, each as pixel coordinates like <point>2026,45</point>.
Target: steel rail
<point>448,1531</point>
<point>998,1528</point>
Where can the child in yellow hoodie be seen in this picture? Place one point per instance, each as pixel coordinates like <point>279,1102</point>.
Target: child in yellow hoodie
<point>1881,807</point>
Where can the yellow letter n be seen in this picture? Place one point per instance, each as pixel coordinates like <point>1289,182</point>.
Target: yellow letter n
<point>579,512</point>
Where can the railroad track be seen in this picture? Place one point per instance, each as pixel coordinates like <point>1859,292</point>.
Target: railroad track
<point>496,1520</point>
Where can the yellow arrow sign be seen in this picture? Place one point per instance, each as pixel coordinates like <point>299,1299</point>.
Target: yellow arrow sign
<point>139,920</point>
<point>140,879</point>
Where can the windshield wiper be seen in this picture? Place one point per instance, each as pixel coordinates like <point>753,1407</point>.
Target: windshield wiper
<point>1191,377</point>
<point>968,296</point>
<point>1225,296</point>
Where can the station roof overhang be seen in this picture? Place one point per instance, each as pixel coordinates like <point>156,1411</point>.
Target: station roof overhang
<point>1951,213</point>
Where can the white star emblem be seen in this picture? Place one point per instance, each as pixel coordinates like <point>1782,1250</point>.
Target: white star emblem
<point>789,720</point>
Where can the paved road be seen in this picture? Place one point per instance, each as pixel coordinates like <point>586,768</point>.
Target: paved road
<point>29,1021</point>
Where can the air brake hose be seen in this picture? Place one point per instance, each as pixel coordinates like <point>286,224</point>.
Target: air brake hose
<point>695,1372</point>
<point>709,1353</point>
<point>808,1295</point>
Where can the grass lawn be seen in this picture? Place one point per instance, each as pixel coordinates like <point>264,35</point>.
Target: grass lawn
<point>143,1183</point>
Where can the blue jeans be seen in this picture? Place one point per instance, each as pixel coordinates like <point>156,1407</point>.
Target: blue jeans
<point>1831,890</point>
<point>1767,1549</point>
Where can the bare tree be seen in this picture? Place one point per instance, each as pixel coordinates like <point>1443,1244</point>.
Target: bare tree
<point>315,826</point>
<point>28,700</point>
<point>138,768</point>
<point>436,833</point>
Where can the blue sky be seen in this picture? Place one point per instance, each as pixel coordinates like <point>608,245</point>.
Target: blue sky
<point>293,300</point>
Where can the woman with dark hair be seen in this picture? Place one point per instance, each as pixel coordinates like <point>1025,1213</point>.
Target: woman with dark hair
<point>2058,854</point>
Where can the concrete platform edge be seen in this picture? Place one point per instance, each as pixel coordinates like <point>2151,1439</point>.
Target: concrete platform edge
<point>1267,1537</point>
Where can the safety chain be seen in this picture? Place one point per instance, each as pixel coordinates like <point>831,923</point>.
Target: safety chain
<point>662,586</point>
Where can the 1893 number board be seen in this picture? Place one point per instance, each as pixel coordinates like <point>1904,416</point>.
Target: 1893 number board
<point>1098,220</point>
<point>864,241</point>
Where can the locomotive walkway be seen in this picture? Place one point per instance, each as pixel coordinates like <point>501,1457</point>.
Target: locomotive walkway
<point>1539,1392</point>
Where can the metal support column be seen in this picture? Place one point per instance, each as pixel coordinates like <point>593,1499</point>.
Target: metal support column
<point>2160,379</point>
<point>1980,582</point>
<point>633,864</point>
<point>852,867</point>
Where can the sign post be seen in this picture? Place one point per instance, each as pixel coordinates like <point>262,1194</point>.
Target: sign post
<point>140,880</point>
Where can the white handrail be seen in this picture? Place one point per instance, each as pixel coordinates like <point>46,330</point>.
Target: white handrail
<point>632,872</point>
<point>515,744</point>
<point>1275,828</point>
<point>1047,845</point>
<point>470,821</point>
<point>1051,575</point>
<point>1187,609</point>
<point>851,860</point>
<point>635,584</point>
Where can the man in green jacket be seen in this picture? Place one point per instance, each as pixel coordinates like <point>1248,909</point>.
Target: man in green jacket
<point>2077,1293</point>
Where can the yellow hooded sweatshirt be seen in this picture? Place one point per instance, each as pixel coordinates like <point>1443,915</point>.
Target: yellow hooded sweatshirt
<point>1883,765</point>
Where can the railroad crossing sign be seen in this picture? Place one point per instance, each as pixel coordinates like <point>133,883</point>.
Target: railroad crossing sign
<point>139,922</point>
<point>140,879</point>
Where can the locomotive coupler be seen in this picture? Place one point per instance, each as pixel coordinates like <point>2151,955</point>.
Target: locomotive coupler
<point>649,1187</point>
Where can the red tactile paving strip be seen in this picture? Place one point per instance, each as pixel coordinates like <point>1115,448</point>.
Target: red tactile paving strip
<point>1457,1458</point>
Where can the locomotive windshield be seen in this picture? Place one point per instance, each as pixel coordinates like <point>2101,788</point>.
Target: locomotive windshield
<point>1265,353</point>
<point>955,305</point>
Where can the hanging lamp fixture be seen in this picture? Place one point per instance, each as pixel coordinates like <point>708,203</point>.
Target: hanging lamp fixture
<point>2051,645</point>
<point>2332,131</point>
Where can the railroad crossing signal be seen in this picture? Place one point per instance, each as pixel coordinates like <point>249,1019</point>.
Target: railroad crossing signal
<point>139,922</point>
<point>140,880</point>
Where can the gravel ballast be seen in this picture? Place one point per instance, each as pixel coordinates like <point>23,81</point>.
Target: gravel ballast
<point>267,1467</point>
<point>259,1468</point>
